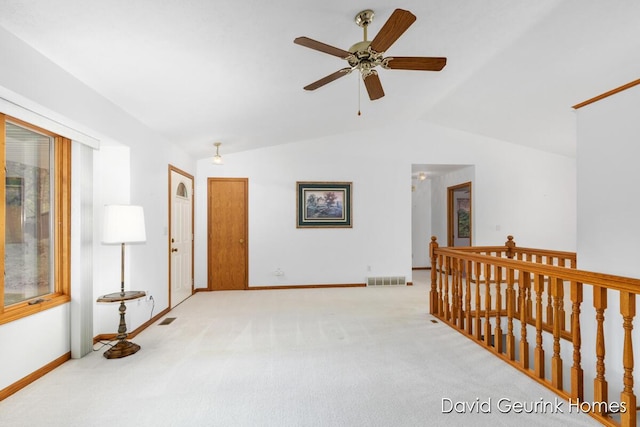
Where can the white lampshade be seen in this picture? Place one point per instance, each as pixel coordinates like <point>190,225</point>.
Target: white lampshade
<point>123,224</point>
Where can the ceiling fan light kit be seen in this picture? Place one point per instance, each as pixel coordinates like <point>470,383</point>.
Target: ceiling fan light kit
<point>366,55</point>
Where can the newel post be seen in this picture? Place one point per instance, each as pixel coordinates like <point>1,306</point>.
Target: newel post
<point>433,294</point>
<point>511,247</point>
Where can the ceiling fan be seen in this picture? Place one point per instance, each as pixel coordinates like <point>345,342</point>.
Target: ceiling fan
<point>366,55</point>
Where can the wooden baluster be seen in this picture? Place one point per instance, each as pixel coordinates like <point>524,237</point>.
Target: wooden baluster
<point>454,290</point>
<point>433,294</point>
<point>487,305</point>
<point>458,283</point>
<point>478,326</point>
<point>538,354</point>
<point>468,323</point>
<point>600,386</point>
<point>446,302</point>
<point>561,316</point>
<point>498,329</point>
<point>577,375</point>
<point>572,264</point>
<point>523,285</point>
<point>549,317</point>
<point>529,300</point>
<point>461,294</point>
<point>519,293</point>
<point>441,286</point>
<point>556,360</point>
<point>511,301</point>
<point>628,312</point>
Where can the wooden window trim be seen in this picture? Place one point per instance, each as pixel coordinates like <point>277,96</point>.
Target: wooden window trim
<point>62,227</point>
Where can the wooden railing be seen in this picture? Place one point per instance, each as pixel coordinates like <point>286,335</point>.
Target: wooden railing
<point>525,305</point>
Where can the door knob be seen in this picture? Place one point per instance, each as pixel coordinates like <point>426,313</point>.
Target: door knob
<point>174,249</point>
<point>241,240</point>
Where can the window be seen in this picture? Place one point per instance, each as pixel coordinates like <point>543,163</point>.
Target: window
<point>182,191</point>
<point>35,226</point>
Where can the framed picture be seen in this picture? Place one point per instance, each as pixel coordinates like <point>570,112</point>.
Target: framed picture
<point>463,218</point>
<point>323,204</point>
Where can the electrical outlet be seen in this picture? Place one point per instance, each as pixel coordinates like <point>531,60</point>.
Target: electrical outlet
<point>278,272</point>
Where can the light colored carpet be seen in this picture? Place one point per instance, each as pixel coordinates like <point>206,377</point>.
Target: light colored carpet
<point>312,357</point>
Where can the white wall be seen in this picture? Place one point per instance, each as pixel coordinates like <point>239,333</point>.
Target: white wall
<point>608,174</point>
<point>510,189</point>
<point>608,206</point>
<point>54,92</point>
<point>421,223</point>
<point>315,256</point>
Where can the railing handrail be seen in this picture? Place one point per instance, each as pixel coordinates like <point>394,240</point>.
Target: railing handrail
<point>551,252</point>
<point>609,281</point>
<point>513,288</point>
<point>517,249</point>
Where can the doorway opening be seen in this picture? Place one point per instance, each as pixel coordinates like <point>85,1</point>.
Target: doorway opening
<point>459,215</point>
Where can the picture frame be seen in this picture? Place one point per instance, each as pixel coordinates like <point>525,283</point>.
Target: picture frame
<point>463,211</point>
<point>323,204</point>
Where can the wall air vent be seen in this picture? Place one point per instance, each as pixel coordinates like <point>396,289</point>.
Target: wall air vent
<point>386,281</point>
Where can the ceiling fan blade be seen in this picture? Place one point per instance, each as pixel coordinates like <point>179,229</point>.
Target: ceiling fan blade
<point>374,87</point>
<point>418,63</point>
<point>328,79</point>
<point>322,47</point>
<point>391,31</point>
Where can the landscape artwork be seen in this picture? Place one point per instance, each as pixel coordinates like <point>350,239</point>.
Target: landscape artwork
<point>323,204</point>
<point>464,228</point>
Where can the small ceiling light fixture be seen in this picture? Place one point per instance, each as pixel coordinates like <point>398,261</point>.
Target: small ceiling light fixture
<point>217,159</point>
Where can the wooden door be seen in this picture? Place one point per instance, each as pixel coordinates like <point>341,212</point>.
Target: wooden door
<point>459,215</point>
<point>228,231</point>
<point>181,236</point>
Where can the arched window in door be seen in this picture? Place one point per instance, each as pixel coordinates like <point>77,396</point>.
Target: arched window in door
<point>182,191</point>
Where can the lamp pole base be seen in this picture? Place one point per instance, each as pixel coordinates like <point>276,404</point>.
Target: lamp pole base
<point>122,349</point>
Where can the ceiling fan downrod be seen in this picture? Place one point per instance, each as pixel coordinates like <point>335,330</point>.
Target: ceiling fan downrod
<point>363,19</point>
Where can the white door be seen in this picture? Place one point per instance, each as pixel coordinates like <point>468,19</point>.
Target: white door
<point>181,236</point>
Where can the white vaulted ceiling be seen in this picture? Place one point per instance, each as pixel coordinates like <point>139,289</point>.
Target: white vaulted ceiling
<point>199,71</point>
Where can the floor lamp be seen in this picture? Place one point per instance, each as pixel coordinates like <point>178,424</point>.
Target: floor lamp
<point>122,224</point>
